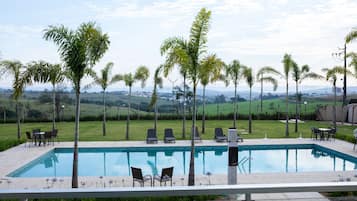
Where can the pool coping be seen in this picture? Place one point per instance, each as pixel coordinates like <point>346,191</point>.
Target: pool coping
<point>19,156</point>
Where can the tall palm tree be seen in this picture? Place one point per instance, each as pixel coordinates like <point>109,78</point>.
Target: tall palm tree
<point>104,80</point>
<point>288,64</point>
<point>174,49</point>
<point>153,102</point>
<point>233,73</point>
<point>264,75</point>
<point>209,72</point>
<point>79,49</point>
<point>331,75</point>
<point>141,74</point>
<point>249,78</point>
<point>41,71</point>
<point>299,74</point>
<point>189,54</point>
<point>14,69</point>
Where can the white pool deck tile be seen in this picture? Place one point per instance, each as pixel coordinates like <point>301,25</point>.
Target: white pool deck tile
<point>18,156</point>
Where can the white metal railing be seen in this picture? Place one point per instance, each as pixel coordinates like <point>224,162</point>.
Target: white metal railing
<point>179,190</point>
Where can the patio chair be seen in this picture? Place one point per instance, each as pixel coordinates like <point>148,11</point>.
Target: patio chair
<point>151,136</point>
<point>169,136</point>
<point>197,136</point>
<point>315,132</point>
<point>219,136</point>
<point>54,136</point>
<point>138,176</point>
<point>332,133</point>
<point>47,137</point>
<point>166,175</point>
<point>29,139</point>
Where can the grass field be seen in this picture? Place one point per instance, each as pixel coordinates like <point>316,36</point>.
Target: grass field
<point>269,106</point>
<point>91,131</point>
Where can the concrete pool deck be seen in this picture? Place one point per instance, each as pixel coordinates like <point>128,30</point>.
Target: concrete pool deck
<point>19,156</point>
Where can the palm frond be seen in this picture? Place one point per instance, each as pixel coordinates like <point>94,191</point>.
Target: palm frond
<point>287,63</point>
<point>311,75</point>
<point>142,74</point>
<point>351,36</point>
<point>267,70</point>
<point>199,31</point>
<point>271,80</point>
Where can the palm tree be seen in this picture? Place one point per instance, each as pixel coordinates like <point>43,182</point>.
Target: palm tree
<point>141,74</point>
<point>288,63</point>
<point>298,75</point>
<point>173,48</point>
<point>189,54</point>
<point>79,49</point>
<point>331,75</point>
<point>209,72</point>
<point>42,71</point>
<point>104,81</point>
<point>249,78</point>
<point>233,73</point>
<point>14,69</point>
<point>153,102</point>
<point>262,76</point>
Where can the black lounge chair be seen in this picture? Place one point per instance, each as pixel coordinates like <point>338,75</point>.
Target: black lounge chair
<point>197,136</point>
<point>166,175</point>
<point>138,177</point>
<point>151,136</point>
<point>219,136</point>
<point>169,136</point>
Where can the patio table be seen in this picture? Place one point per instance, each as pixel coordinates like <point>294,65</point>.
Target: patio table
<point>324,132</point>
<point>38,136</point>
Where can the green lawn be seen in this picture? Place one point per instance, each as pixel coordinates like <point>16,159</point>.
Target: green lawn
<point>269,106</point>
<point>91,131</point>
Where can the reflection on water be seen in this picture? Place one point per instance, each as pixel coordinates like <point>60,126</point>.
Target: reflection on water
<point>117,162</point>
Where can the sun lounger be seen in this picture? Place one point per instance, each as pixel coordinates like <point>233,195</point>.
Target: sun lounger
<point>219,136</point>
<point>151,136</point>
<point>169,136</point>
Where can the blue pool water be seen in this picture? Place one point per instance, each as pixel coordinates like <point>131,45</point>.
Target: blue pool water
<point>253,159</point>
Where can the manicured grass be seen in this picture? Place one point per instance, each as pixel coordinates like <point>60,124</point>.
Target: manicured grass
<point>92,131</point>
<point>269,106</point>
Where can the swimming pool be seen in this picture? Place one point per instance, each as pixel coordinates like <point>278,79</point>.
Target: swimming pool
<point>208,159</point>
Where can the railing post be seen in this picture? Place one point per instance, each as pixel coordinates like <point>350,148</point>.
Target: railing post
<point>248,197</point>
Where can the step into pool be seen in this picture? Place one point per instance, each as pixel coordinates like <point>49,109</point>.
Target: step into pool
<point>208,160</point>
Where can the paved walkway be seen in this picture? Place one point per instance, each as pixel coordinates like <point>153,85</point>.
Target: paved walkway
<point>16,157</point>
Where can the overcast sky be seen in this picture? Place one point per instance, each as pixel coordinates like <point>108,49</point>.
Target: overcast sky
<point>257,33</point>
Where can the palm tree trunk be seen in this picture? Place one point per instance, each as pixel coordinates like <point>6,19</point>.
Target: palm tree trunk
<point>296,107</point>
<point>18,120</point>
<point>250,110</point>
<point>155,122</point>
<point>184,108</point>
<point>235,106</point>
<point>191,174</point>
<point>261,95</point>
<point>128,116</point>
<point>76,137</point>
<point>334,106</point>
<point>287,109</point>
<point>104,114</point>
<point>203,110</point>
<point>54,107</point>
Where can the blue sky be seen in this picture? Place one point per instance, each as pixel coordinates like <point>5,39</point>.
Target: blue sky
<point>256,32</point>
